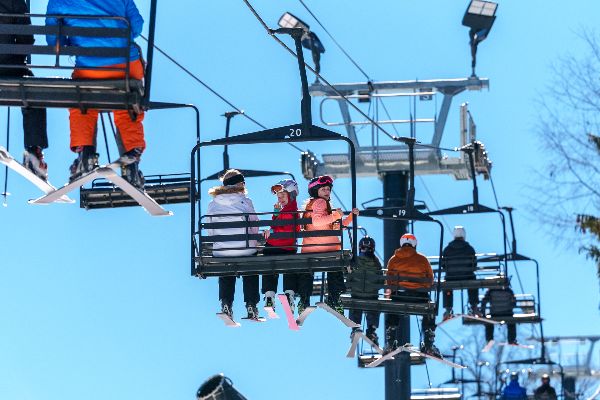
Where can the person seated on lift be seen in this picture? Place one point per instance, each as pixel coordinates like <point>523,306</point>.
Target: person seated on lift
<point>286,209</point>
<point>364,283</point>
<point>502,302</point>
<point>229,201</point>
<point>411,273</point>
<point>514,391</point>
<point>545,391</point>
<point>459,263</point>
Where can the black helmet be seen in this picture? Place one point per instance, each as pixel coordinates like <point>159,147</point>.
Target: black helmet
<point>366,245</point>
<point>317,183</point>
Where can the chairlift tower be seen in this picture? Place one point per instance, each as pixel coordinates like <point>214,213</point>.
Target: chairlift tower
<point>391,163</point>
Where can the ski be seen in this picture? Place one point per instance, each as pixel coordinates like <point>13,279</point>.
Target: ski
<point>356,336</point>
<point>107,172</point>
<point>288,312</point>
<point>271,312</point>
<point>521,346</point>
<point>346,321</point>
<point>257,319</point>
<point>385,357</point>
<point>355,339</point>
<point>412,349</point>
<point>228,321</point>
<point>302,317</point>
<point>471,317</point>
<point>372,343</point>
<point>44,186</point>
<point>488,346</point>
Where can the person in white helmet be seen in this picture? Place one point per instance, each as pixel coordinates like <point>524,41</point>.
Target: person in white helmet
<point>459,263</point>
<point>411,273</point>
<point>286,208</point>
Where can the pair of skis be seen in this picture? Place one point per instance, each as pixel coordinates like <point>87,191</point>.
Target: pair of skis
<point>409,348</point>
<point>491,343</point>
<point>293,324</point>
<point>53,195</point>
<point>44,186</point>
<point>471,317</point>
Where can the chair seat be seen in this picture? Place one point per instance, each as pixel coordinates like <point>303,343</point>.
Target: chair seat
<point>207,266</point>
<point>388,306</point>
<point>106,94</point>
<point>488,282</point>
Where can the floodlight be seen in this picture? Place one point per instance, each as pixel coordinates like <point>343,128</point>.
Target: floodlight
<point>479,17</point>
<point>309,39</point>
<point>218,387</point>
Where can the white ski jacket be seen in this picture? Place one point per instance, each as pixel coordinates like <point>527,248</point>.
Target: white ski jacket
<point>231,203</point>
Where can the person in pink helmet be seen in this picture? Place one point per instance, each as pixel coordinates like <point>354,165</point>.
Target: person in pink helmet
<point>324,217</point>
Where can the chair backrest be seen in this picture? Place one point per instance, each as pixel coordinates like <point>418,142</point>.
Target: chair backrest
<point>62,48</point>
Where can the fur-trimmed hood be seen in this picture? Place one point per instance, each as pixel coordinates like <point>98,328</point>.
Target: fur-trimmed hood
<point>218,190</point>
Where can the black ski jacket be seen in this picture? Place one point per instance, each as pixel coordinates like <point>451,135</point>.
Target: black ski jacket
<point>545,392</point>
<point>14,7</point>
<point>366,278</point>
<point>458,260</point>
<point>502,302</point>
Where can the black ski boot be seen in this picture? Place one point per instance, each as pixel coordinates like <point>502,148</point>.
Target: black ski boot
<point>333,301</point>
<point>86,162</point>
<point>391,343</point>
<point>132,174</point>
<point>227,309</point>
<point>372,334</point>
<point>252,311</point>
<point>427,345</point>
<point>33,160</point>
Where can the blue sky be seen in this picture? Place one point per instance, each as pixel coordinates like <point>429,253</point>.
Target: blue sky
<point>101,303</point>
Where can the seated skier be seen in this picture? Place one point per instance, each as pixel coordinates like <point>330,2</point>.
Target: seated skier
<point>502,301</point>
<point>514,391</point>
<point>231,198</point>
<point>545,391</point>
<point>286,208</point>
<point>364,283</point>
<point>411,273</point>
<point>34,119</point>
<point>459,263</point>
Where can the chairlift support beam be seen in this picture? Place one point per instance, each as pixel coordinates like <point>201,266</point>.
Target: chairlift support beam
<point>374,160</point>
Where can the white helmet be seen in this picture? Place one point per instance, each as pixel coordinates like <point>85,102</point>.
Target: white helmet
<point>288,185</point>
<point>408,238</point>
<point>459,232</point>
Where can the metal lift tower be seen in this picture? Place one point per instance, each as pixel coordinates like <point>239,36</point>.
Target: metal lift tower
<point>390,162</point>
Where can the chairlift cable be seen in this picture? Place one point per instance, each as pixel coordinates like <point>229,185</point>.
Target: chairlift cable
<point>270,32</point>
<point>506,238</point>
<point>335,41</point>
<point>5,193</point>
<point>213,91</point>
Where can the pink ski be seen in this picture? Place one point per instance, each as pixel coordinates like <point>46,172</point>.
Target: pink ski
<point>288,312</point>
<point>228,321</point>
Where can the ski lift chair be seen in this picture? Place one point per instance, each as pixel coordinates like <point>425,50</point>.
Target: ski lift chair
<point>365,358</point>
<point>436,394</point>
<point>45,92</point>
<point>524,312</point>
<point>102,94</point>
<point>489,272</point>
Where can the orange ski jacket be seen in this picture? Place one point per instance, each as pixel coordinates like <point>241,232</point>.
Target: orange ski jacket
<point>406,262</point>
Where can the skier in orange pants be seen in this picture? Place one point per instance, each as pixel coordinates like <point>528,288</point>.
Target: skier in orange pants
<point>83,125</point>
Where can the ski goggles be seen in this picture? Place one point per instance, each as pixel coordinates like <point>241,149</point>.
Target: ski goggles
<point>322,180</point>
<point>276,188</point>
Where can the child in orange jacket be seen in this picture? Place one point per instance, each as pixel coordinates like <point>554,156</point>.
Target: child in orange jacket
<point>324,217</point>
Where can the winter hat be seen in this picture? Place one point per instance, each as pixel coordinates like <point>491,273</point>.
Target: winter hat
<point>288,185</point>
<point>232,177</point>
<point>317,183</point>
<point>408,238</point>
<point>459,232</point>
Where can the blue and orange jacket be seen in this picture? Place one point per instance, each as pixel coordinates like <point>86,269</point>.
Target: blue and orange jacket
<point>115,8</point>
